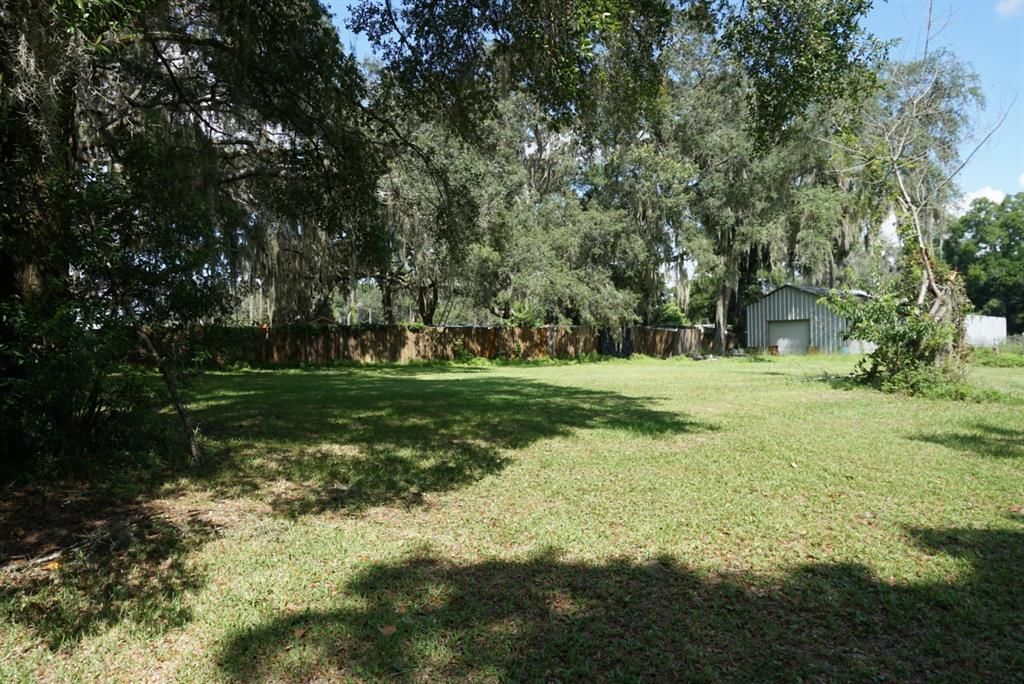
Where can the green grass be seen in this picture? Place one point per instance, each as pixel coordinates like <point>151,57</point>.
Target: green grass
<point>643,520</point>
<point>999,358</point>
<point>1009,354</point>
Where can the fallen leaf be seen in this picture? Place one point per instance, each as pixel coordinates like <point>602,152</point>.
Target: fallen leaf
<point>52,565</point>
<point>388,630</point>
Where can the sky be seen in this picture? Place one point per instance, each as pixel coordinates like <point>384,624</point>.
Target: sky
<point>987,34</point>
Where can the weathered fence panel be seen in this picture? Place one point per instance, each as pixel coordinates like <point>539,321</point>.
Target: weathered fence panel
<point>666,342</point>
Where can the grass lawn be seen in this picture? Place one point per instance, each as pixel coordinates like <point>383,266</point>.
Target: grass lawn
<point>644,520</point>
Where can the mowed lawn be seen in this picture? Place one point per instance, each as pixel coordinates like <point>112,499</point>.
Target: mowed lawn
<point>646,520</point>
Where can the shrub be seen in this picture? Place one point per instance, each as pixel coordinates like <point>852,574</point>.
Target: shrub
<point>461,353</point>
<point>670,315</point>
<point>912,353</point>
<point>64,387</point>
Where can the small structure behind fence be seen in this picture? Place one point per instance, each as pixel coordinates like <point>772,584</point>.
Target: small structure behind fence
<point>326,345</point>
<point>985,331</point>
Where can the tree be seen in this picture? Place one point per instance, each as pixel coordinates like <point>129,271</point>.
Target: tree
<point>925,114</point>
<point>430,216</point>
<point>457,58</point>
<point>447,53</point>
<point>553,266</point>
<point>547,254</point>
<point>741,193</point>
<point>162,159</point>
<point>143,147</point>
<point>986,245</point>
<point>799,53</point>
<point>648,186</point>
<point>707,188</point>
<point>911,142</point>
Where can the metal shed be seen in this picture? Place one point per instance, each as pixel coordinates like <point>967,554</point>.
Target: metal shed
<point>790,319</point>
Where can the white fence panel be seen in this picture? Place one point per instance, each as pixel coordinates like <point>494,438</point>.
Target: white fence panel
<point>985,331</point>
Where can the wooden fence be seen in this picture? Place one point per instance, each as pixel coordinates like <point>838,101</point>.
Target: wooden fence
<point>666,342</point>
<point>325,345</point>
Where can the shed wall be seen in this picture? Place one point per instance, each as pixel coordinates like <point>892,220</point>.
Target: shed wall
<point>791,304</point>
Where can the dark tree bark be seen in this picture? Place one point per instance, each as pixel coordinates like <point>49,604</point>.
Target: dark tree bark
<point>35,262</point>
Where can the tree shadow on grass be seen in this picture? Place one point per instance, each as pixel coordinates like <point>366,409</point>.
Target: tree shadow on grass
<point>344,441</point>
<point>980,439</point>
<point>76,558</point>
<point>130,567</point>
<point>841,382</point>
<point>544,619</point>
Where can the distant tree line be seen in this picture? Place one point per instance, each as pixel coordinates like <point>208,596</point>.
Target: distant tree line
<point>986,245</point>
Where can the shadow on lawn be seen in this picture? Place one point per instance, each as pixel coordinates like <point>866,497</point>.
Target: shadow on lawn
<point>309,441</point>
<point>840,382</point>
<point>981,439</point>
<point>132,566</point>
<point>349,440</point>
<point>543,619</point>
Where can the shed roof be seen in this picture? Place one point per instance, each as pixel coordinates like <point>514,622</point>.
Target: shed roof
<point>819,291</point>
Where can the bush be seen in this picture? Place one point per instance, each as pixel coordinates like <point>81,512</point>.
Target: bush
<point>912,350</point>
<point>64,387</point>
<point>461,353</point>
<point>670,315</point>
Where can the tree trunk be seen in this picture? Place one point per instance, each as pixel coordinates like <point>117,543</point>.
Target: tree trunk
<point>36,232</point>
<point>189,425</point>
<point>682,287</point>
<point>722,318</point>
<point>386,299</point>
<point>351,313</point>
<point>426,302</point>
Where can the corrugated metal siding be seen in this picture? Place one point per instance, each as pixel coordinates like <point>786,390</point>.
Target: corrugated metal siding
<point>790,304</point>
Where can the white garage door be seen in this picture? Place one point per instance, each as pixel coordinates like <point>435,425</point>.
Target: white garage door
<point>791,337</point>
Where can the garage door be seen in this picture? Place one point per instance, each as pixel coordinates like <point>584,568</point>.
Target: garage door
<point>791,337</point>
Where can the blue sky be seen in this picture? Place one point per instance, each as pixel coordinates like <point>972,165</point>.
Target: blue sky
<point>988,34</point>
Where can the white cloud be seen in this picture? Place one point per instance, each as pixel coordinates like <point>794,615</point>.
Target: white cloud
<point>1021,180</point>
<point>1009,8</point>
<point>988,192</point>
